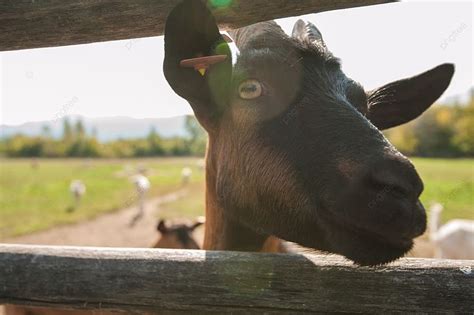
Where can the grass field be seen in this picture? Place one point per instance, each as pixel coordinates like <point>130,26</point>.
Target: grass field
<point>190,207</point>
<point>34,199</point>
<point>450,182</point>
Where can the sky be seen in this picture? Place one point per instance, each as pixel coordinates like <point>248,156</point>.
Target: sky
<point>376,44</point>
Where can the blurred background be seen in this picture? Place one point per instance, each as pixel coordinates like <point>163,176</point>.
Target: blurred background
<point>95,147</point>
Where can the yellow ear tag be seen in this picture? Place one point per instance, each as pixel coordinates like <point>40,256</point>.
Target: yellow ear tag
<point>201,64</point>
<point>202,71</point>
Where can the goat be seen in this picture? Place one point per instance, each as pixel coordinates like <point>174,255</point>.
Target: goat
<point>78,190</point>
<point>454,239</point>
<point>295,150</point>
<point>186,173</point>
<point>142,185</point>
<point>178,235</point>
<point>201,164</point>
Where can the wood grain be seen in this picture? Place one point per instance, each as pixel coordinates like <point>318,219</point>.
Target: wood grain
<point>140,280</point>
<point>47,23</point>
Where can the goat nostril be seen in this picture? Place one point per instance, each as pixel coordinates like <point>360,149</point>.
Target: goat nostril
<point>387,187</point>
<point>384,187</point>
<point>396,177</point>
<point>397,191</point>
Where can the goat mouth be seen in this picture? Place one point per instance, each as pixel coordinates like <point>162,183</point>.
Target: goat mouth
<point>362,246</point>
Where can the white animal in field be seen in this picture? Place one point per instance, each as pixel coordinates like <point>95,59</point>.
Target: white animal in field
<point>186,173</point>
<point>201,164</point>
<point>454,239</point>
<point>78,190</point>
<point>142,185</point>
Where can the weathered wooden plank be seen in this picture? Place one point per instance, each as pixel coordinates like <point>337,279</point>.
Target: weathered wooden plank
<point>47,23</point>
<point>160,279</point>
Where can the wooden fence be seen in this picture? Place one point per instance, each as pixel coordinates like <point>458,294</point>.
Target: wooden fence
<point>47,23</point>
<point>141,280</point>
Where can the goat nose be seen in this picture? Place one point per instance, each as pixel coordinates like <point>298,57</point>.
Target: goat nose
<point>397,176</point>
<point>393,187</point>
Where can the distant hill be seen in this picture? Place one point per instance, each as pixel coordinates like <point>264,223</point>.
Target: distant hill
<point>108,128</point>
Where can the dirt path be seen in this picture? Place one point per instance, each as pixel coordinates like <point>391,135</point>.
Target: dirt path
<point>110,230</point>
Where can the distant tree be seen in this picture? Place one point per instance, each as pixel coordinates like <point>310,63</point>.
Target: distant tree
<point>178,147</point>
<point>197,136</point>
<point>193,128</point>
<point>84,147</point>
<point>155,143</point>
<point>67,130</point>
<point>152,134</point>
<point>119,148</point>
<point>403,138</point>
<point>23,146</point>
<point>464,129</point>
<point>79,129</point>
<point>434,131</point>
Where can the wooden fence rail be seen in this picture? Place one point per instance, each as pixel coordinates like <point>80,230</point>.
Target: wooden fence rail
<point>47,23</point>
<point>157,279</point>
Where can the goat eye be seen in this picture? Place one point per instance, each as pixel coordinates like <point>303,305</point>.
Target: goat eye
<point>250,89</point>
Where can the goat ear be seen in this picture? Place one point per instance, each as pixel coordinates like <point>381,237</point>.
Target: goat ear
<point>307,31</point>
<point>161,227</point>
<point>402,101</point>
<point>199,221</point>
<point>191,32</point>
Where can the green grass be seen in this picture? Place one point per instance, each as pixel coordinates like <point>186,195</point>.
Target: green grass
<point>35,199</point>
<point>189,207</point>
<point>450,182</point>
